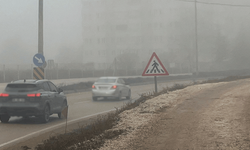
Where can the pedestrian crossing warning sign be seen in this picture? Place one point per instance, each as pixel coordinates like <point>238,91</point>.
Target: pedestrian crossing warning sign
<point>154,67</point>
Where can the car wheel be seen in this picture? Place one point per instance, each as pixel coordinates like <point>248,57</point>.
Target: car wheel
<point>63,106</point>
<point>94,98</point>
<point>45,117</point>
<point>4,118</point>
<point>129,95</point>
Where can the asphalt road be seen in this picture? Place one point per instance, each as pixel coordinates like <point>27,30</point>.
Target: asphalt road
<point>81,107</point>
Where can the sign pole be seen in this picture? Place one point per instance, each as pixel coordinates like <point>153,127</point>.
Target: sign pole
<point>65,114</point>
<point>155,84</point>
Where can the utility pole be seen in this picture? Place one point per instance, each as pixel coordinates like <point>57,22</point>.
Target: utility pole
<point>40,27</point>
<point>196,40</point>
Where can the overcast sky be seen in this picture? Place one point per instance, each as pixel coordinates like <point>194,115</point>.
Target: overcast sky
<point>19,22</point>
<point>62,26</point>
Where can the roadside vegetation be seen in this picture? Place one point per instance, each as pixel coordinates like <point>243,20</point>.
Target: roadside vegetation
<point>93,136</point>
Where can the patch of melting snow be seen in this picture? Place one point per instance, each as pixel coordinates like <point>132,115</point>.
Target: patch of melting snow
<point>133,120</point>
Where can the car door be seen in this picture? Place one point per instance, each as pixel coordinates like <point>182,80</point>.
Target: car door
<point>55,97</point>
<point>48,95</point>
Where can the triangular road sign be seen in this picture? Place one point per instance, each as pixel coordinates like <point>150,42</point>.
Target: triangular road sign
<point>155,67</point>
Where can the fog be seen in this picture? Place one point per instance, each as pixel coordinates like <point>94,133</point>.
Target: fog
<point>19,29</point>
<point>98,31</point>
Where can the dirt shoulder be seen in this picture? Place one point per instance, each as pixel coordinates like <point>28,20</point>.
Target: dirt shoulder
<point>206,116</point>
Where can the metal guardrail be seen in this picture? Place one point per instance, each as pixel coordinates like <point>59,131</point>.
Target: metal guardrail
<point>12,72</point>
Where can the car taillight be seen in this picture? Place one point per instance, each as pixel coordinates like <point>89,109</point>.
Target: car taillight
<point>114,86</point>
<point>4,95</point>
<point>93,87</point>
<point>34,95</point>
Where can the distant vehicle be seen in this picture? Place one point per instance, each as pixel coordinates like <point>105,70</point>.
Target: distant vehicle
<point>40,98</point>
<point>110,87</point>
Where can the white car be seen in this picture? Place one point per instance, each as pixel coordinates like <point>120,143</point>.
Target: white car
<point>110,87</point>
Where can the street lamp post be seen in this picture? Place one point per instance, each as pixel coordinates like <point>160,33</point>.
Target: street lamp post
<point>40,27</point>
<point>196,41</point>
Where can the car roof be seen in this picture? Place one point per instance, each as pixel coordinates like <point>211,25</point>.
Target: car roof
<point>28,81</point>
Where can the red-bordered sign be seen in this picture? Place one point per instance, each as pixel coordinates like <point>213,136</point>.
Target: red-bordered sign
<point>155,67</point>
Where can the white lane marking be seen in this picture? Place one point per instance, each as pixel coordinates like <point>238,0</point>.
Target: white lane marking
<point>55,126</point>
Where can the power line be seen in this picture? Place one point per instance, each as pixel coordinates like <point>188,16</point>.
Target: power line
<point>221,4</point>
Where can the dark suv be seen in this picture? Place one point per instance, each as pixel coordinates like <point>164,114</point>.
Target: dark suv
<point>40,98</point>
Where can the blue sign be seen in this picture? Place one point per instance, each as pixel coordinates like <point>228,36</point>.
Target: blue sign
<point>38,60</point>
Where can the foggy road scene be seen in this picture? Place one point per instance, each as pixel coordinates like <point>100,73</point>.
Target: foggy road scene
<point>56,57</point>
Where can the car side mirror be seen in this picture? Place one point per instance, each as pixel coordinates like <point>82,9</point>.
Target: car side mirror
<point>60,90</point>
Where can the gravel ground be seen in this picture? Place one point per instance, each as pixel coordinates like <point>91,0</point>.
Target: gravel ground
<point>205,116</point>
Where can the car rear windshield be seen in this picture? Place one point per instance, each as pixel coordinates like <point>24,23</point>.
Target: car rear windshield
<point>106,80</point>
<point>21,87</point>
